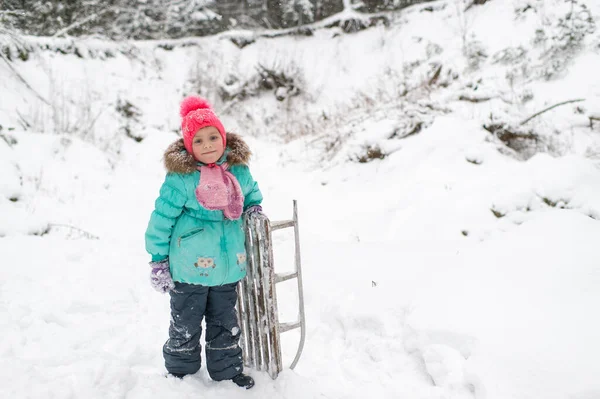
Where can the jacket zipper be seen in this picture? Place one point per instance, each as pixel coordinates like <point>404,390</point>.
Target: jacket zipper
<point>189,234</point>
<point>224,251</point>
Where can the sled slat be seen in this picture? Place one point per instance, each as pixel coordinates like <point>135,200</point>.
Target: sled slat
<point>279,278</point>
<point>283,327</point>
<point>257,271</point>
<point>268,322</point>
<point>282,225</point>
<point>253,311</point>
<point>244,323</point>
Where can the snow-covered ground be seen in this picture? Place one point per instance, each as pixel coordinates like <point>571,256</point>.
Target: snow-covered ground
<point>452,268</point>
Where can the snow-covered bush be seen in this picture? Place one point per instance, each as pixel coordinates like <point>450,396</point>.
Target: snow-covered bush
<point>285,79</point>
<point>297,12</point>
<point>525,143</point>
<point>234,87</point>
<point>370,153</point>
<point>12,47</point>
<point>572,28</point>
<point>10,184</point>
<point>562,37</point>
<point>475,53</point>
<point>510,55</point>
<point>131,117</point>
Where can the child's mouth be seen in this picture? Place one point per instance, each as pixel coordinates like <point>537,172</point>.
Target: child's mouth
<point>208,153</point>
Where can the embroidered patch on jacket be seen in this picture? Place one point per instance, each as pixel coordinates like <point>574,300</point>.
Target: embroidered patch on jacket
<point>241,261</point>
<point>241,258</point>
<point>205,264</point>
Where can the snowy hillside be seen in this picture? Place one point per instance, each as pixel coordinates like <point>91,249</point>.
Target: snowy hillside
<point>448,232</point>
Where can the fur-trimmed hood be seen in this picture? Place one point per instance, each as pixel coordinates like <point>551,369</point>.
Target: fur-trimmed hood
<point>178,160</point>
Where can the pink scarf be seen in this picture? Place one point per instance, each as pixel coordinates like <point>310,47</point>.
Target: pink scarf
<point>219,190</point>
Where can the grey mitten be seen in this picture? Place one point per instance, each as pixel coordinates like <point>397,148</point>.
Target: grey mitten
<point>254,209</point>
<point>160,276</point>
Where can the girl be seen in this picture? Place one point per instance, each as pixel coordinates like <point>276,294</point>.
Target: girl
<point>196,240</point>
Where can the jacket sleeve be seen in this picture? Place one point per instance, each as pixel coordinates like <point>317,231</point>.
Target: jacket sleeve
<point>167,208</point>
<point>250,187</point>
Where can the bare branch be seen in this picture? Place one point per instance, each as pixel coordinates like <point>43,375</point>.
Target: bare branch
<point>83,232</point>
<point>435,76</point>
<point>470,99</point>
<point>549,108</point>
<point>22,79</point>
<point>79,23</point>
<point>22,119</point>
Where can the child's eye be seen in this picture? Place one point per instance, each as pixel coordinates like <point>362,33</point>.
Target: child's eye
<point>213,138</point>
<point>197,141</point>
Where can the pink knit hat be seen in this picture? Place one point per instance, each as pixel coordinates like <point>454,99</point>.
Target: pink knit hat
<point>197,113</point>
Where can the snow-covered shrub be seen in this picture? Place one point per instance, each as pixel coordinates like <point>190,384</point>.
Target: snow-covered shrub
<point>523,7</point>
<point>71,109</point>
<point>358,22</point>
<point>130,114</point>
<point>373,131</point>
<point>285,79</point>
<point>11,181</point>
<point>510,56</point>
<point>462,22</point>
<point>561,38</point>
<point>571,29</point>
<point>369,153</point>
<point>234,88</point>
<point>525,143</point>
<point>475,53</point>
<point>63,105</point>
<point>302,31</point>
<point>433,49</point>
<point>12,47</point>
<point>11,53</point>
<point>297,12</point>
<point>352,24</point>
<point>9,139</point>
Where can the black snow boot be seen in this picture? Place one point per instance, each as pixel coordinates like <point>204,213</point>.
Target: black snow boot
<point>176,375</point>
<point>244,381</point>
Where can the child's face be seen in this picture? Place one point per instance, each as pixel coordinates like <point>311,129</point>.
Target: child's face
<point>207,145</point>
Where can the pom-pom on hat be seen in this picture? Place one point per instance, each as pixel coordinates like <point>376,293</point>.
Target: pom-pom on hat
<point>197,113</point>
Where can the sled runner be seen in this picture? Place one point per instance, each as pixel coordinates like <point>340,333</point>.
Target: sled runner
<point>257,299</point>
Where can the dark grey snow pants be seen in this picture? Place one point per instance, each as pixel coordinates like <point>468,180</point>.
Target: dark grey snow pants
<point>189,304</point>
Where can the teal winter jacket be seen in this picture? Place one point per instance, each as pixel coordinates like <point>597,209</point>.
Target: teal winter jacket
<point>203,247</point>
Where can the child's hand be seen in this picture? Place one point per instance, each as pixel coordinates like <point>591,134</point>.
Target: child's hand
<point>254,209</point>
<point>160,276</point>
